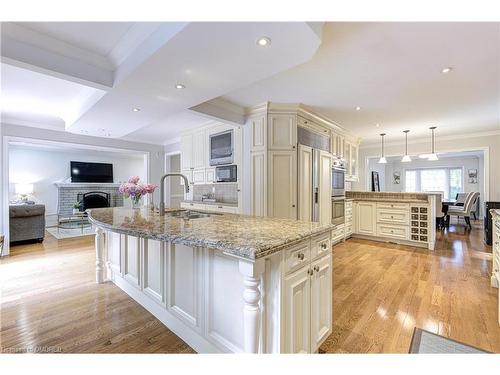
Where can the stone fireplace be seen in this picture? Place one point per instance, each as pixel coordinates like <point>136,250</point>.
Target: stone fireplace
<point>96,194</point>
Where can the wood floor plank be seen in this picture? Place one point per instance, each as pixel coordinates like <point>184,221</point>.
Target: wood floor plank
<point>381,293</point>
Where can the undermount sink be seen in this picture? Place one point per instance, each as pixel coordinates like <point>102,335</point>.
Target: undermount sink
<point>190,214</point>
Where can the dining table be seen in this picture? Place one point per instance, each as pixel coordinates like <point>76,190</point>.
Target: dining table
<point>446,203</point>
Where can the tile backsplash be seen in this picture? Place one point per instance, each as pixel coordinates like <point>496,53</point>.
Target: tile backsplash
<point>224,192</point>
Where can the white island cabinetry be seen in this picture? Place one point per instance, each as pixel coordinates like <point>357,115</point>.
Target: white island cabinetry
<point>228,295</point>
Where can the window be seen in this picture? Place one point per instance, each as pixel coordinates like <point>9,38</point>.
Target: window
<point>447,180</point>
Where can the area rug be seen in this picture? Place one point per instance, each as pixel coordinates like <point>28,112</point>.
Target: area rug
<point>425,342</point>
<point>69,233</point>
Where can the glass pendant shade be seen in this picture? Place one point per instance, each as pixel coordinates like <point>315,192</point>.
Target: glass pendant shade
<point>432,157</point>
<point>406,158</point>
<point>382,159</point>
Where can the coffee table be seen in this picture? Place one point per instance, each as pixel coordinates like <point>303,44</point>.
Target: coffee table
<point>72,221</point>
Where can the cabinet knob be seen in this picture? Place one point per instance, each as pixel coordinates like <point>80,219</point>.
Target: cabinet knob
<point>293,147</point>
<point>300,256</point>
<point>310,272</point>
<point>293,205</point>
<point>316,268</point>
<point>323,246</point>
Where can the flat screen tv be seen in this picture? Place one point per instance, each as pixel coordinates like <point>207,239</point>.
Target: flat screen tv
<point>91,172</point>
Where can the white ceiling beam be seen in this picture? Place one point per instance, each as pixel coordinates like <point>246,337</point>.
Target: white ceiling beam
<point>53,57</point>
<point>220,109</point>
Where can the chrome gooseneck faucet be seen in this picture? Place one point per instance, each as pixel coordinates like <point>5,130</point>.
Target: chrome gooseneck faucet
<point>162,189</point>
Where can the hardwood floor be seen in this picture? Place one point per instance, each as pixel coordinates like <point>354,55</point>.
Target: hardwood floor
<point>381,292</point>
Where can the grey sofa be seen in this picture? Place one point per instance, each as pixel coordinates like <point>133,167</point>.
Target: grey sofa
<point>27,222</point>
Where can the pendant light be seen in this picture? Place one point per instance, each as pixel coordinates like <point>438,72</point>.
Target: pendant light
<point>432,156</point>
<point>406,158</point>
<point>382,159</point>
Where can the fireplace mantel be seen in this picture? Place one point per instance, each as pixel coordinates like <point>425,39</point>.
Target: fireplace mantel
<point>86,184</point>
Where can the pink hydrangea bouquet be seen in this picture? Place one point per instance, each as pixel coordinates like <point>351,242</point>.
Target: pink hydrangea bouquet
<point>135,190</point>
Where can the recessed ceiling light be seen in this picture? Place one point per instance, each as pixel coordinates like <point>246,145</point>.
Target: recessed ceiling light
<point>179,86</point>
<point>136,109</point>
<point>377,125</point>
<point>358,108</point>
<point>446,70</point>
<point>263,41</point>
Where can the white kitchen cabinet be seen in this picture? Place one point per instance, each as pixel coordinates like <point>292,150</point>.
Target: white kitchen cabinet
<point>321,301</point>
<point>337,144</point>
<point>349,218</point>
<point>199,155</point>
<point>305,182</point>
<point>258,187</point>
<point>298,311</point>
<point>351,160</point>
<point>366,218</point>
<point>282,188</point>
<point>198,176</point>
<point>282,132</point>
<point>186,151</point>
<point>209,175</point>
<point>308,305</point>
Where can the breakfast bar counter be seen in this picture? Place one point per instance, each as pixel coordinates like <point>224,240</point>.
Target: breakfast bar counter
<point>222,282</point>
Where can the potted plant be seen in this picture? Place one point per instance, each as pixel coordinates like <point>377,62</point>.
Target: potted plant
<point>76,207</point>
<point>135,190</point>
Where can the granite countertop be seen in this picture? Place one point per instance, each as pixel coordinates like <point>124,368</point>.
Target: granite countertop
<point>243,236</point>
<point>212,203</point>
<point>389,200</point>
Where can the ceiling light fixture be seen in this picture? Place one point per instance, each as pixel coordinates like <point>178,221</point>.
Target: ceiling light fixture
<point>358,108</point>
<point>382,159</point>
<point>263,41</point>
<point>179,86</point>
<point>432,156</point>
<point>406,158</point>
<point>446,70</point>
<point>377,125</point>
<point>136,109</point>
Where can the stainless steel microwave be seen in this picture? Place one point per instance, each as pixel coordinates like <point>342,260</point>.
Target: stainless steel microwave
<point>222,148</point>
<point>226,173</point>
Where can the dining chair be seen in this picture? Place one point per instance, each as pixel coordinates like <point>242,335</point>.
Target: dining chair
<point>465,211</point>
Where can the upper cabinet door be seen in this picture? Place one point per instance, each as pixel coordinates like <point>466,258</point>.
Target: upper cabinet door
<point>186,151</point>
<point>325,187</point>
<point>305,182</point>
<point>282,132</point>
<point>198,150</point>
<point>354,161</point>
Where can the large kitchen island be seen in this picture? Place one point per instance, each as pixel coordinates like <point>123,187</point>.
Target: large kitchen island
<point>222,282</point>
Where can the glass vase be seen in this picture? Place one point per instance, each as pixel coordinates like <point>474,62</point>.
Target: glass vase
<point>137,202</point>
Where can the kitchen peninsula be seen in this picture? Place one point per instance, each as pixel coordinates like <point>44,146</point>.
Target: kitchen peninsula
<point>222,282</point>
<point>406,218</point>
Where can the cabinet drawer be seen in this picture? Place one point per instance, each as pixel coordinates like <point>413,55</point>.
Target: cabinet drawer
<point>297,257</point>
<point>392,231</point>
<point>321,245</point>
<point>348,212</point>
<point>393,216</point>
<point>393,206</point>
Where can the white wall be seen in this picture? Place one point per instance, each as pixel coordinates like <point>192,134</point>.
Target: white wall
<point>44,167</point>
<point>490,142</point>
<point>374,166</point>
<point>466,162</point>
<point>156,153</point>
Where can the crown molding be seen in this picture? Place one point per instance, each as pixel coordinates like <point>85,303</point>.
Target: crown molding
<point>488,133</point>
